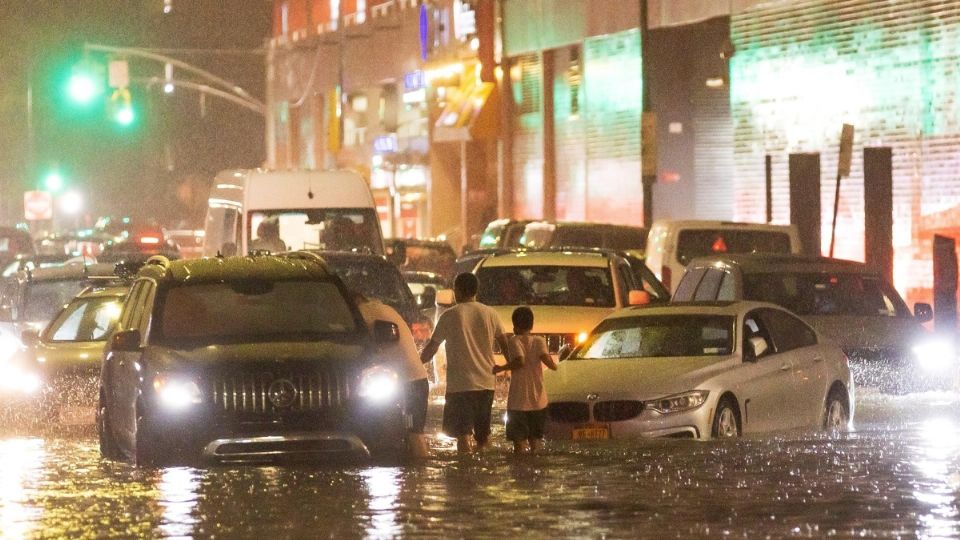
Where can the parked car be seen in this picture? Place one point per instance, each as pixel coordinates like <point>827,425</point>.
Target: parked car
<point>700,371</point>
<point>502,233</point>
<point>254,358</point>
<point>34,262</point>
<point>65,357</point>
<point>376,277</point>
<point>424,286</point>
<point>845,301</point>
<point>188,241</point>
<point>30,299</point>
<point>556,234</point>
<point>417,255</point>
<point>14,242</point>
<point>139,249</point>
<point>569,291</point>
<point>671,244</point>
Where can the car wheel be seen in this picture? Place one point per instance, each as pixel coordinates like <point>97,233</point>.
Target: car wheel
<point>726,421</point>
<point>836,416</point>
<point>108,448</point>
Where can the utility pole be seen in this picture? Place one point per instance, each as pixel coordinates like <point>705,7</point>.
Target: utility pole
<point>648,123</point>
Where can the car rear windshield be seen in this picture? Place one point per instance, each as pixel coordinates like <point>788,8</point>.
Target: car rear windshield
<point>437,259</point>
<point>693,243</point>
<point>330,229</point>
<point>86,319</point>
<point>826,293</point>
<point>660,336</point>
<point>253,311</point>
<point>546,285</point>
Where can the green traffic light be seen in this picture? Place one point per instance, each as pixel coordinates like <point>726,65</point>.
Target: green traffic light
<point>125,115</point>
<point>53,181</point>
<point>83,88</point>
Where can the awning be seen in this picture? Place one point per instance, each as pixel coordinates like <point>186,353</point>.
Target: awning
<point>470,114</point>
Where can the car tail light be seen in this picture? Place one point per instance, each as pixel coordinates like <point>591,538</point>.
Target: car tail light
<point>421,331</point>
<point>665,276</point>
<point>152,240</point>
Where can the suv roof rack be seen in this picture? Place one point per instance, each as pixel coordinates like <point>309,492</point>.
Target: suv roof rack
<point>158,260</point>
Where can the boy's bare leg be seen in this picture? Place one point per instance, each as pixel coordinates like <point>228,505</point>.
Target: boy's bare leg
<point>417,445</point>
<point>464,444</point>
<point>535,444</point>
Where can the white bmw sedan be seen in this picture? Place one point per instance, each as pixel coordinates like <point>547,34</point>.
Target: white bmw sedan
<point>701,371</point>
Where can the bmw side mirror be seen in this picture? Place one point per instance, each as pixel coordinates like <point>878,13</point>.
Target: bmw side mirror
<point>126,341</point>
<point>756,347</point>
<point>923,312</point>
<point>639,298</point>
<point>385,332</point>
<point>30,337</point>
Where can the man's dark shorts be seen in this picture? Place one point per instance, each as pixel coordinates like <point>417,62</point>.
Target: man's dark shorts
<point>418,392</point>
<point>468,412</point>
<point>525,425</point>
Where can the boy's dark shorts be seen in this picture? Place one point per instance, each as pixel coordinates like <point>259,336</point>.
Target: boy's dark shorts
<point>525,425</point>
<point>468,412</point>
<point>415,404</point>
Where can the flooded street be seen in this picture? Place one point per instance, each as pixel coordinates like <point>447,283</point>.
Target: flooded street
<point>898,475</point>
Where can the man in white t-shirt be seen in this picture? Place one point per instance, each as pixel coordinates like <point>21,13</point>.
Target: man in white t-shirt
<point>469,330</point>
<point>403,357</point>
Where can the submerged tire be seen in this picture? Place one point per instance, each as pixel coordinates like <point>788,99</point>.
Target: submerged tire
<point>726,421</point>
<point>836,415</point>
<point>108,447</point>
<point>149,447</point>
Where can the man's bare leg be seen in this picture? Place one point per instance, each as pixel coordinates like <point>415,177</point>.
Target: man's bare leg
<point>464,444</point>
<point>534,444</point>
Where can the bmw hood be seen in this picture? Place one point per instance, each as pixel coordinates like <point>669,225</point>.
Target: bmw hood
<point>639,378</point>
<point>856,332</point>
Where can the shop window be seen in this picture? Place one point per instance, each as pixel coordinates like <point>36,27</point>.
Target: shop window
<point>389,102</point>
<point>525,73</point>
<point>574,79</point>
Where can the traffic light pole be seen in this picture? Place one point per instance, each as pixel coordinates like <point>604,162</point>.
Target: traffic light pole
<point>238,95</point>
<point>203,89</point>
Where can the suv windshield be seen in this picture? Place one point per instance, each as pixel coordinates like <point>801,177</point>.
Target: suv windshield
<point>826,293</point>
<point>330,229</point>
<point>253,310</point>
<point>695,243</point>
<point>86,319</point>
<point>546,285</point>
<point>660,336</point>
<point>43,299</point>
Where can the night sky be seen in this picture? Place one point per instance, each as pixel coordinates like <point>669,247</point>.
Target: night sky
<point>128,170</point>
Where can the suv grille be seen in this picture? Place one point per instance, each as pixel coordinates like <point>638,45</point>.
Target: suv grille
<point>569,412</point>
<point>302,391</point>
<point>617,411</point>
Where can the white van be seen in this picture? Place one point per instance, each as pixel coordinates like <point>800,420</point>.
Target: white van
<point>671,245</point>
<point>291,210</point>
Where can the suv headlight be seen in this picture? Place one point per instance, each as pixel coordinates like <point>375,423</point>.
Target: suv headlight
<point>176,393</point>
<point>379,384</point>
<point>679,402</point>
<point>935,354</point>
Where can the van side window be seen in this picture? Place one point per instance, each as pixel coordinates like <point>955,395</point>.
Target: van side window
<point>709,285</point>
<point>787,331</point>
<point>688,284</point>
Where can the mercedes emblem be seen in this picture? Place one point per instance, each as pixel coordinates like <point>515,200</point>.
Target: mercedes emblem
<point>282,393</point>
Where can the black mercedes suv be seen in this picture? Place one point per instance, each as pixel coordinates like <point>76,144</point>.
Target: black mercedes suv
<point>245,359</point>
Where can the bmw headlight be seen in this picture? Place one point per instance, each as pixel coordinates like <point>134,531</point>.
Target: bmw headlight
<point>679,402</point>
<point>935,354</point>
<point>176,393</point>
<point>379,384</point>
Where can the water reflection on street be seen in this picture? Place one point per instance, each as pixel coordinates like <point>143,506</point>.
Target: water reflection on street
<point>897,475</point>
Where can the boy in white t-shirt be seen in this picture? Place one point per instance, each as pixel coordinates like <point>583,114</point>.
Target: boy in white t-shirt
<point>527,400</point>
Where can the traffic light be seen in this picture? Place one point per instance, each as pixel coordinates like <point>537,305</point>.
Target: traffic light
<point>53,181</point>
<point>121,108</point>
<point>84,86</point>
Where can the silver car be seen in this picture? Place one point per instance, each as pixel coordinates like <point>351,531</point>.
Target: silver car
<point>701,371</point>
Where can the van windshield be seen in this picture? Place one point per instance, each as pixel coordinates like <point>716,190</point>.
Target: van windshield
<point>826,293</point>
<point>329,229</point>
<point>695,243</point>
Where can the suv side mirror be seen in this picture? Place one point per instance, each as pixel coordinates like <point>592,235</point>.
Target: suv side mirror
<point>639,298</point>
<point>445,297</point>
<point>385,332</point>
<point>30,337</point>
<point>756,347</point>
<point>923,312</point>
<point>126,341</point>
<point>428,298</point>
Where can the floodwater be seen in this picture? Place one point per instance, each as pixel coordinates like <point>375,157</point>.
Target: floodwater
<point>897,475</point>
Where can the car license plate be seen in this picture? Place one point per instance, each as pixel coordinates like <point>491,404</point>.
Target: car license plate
<point>592,433</point>
<point>76,416</point>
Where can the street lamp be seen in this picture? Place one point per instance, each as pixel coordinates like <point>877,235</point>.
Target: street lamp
<point>71,203</point>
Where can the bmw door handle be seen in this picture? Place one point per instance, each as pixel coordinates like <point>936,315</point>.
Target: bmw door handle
<point>817,358</point>
<point>786,367</point>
